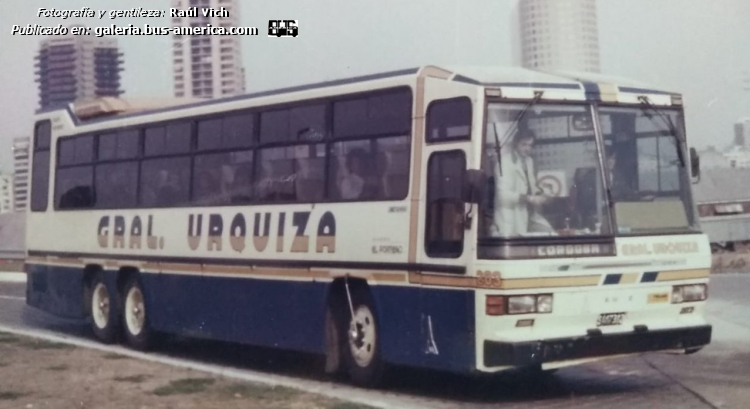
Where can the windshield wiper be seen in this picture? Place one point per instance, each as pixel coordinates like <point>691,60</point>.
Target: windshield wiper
<point>514,126</point>
<point>679,141</point>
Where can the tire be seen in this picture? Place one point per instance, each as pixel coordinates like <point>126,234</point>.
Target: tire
<point>334,339</point>
<point>362,348</point>
<point>135,320</point>
<point>103,309</point>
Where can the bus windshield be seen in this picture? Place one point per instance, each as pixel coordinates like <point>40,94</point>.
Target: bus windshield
<point>645,156</point>
<point>545,177</point>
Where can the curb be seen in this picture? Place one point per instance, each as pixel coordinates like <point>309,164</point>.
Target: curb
<point>13,277</point>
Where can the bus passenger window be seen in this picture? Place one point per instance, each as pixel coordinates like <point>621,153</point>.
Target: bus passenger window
<point>74,188</point>
<point>392,164</point>
<point>449,119</point>
<point>353,167</point>
<point>209,134</point>
<point>283,170</point>
<point>356,182</point>
<point>373,169</point>
<point>76,150</point>
<point>238,131</point>
<point>310,180</point>
<point>207,188</point>
<point>40,167</point>
<point>164,182</point>
<point>241,188</point>
<point>222,178</point>
<point>116,185</point>
<point>275,175</point>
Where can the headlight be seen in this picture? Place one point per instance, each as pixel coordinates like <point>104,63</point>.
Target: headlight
<point>676,294</point>
<point>544,303</point>
<point>518,304</point>
<point>695,292</point>
<point>521,304</point>
<point>689,293</point>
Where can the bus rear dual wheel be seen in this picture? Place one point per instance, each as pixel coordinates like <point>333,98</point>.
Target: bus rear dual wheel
<point>135,319</point>
<point>105,313</point>
<point>103,309</point>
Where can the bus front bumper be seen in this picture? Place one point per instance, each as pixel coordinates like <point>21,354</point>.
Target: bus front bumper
<point>592,346</point>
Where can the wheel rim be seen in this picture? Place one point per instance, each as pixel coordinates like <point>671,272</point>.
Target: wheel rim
<point>362,336</point>
<point>100,306</point>
<point>135,312</point>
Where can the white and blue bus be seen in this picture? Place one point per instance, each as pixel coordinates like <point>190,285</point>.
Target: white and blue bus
<point>467,220</point>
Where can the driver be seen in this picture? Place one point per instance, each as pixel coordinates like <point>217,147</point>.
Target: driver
<point>518,197</point>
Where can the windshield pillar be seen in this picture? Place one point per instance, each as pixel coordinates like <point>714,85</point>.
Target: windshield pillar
<point>604,165</point>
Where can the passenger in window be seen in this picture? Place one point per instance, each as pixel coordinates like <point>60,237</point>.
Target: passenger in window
<point>356,183</point>
<point>518,198</point>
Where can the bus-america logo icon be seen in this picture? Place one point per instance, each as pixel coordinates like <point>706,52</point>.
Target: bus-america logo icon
<point>283,28</point>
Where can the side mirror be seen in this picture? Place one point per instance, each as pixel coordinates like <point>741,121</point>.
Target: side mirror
<point>475,185</point>
<point>695,164</point>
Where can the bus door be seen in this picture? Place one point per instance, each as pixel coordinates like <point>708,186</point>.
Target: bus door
<point>446,299</point>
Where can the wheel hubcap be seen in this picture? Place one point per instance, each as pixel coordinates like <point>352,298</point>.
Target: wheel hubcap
<point>100,306</point>
<point>135,316</point>
<point>362,336</point>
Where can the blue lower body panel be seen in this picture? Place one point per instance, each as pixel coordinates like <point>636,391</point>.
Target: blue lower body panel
<point>449,316</point>
<point>57,290</point>
<point>431,328</point>
<point>284,314</point>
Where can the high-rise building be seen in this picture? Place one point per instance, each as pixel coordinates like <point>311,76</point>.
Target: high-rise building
<point>558,35</point>
<point>77,67</point>
<point>21,148</point>
<point>6,193</point>
<point>207,66</point>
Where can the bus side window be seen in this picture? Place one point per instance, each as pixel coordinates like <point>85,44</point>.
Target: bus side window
<point>310,176</point>
<point>164,182</point>
<point>445,209</point>
<point>40,167</point>
<point>371,169</point>
<point>449,120</point>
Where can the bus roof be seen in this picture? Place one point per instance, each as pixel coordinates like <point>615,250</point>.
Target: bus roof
<point>104,109</point>
<point>518,76</point>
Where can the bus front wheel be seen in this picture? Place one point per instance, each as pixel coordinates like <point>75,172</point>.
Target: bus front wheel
<point>137,331</point>
<point>103,310</point>
<point>362,354</point>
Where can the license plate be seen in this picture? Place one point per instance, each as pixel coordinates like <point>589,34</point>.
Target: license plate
<point>610,319</point>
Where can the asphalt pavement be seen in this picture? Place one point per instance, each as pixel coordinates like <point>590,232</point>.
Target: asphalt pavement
<point>716,377</point>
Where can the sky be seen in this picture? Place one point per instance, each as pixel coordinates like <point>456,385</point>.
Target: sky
<point>694,47</point>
